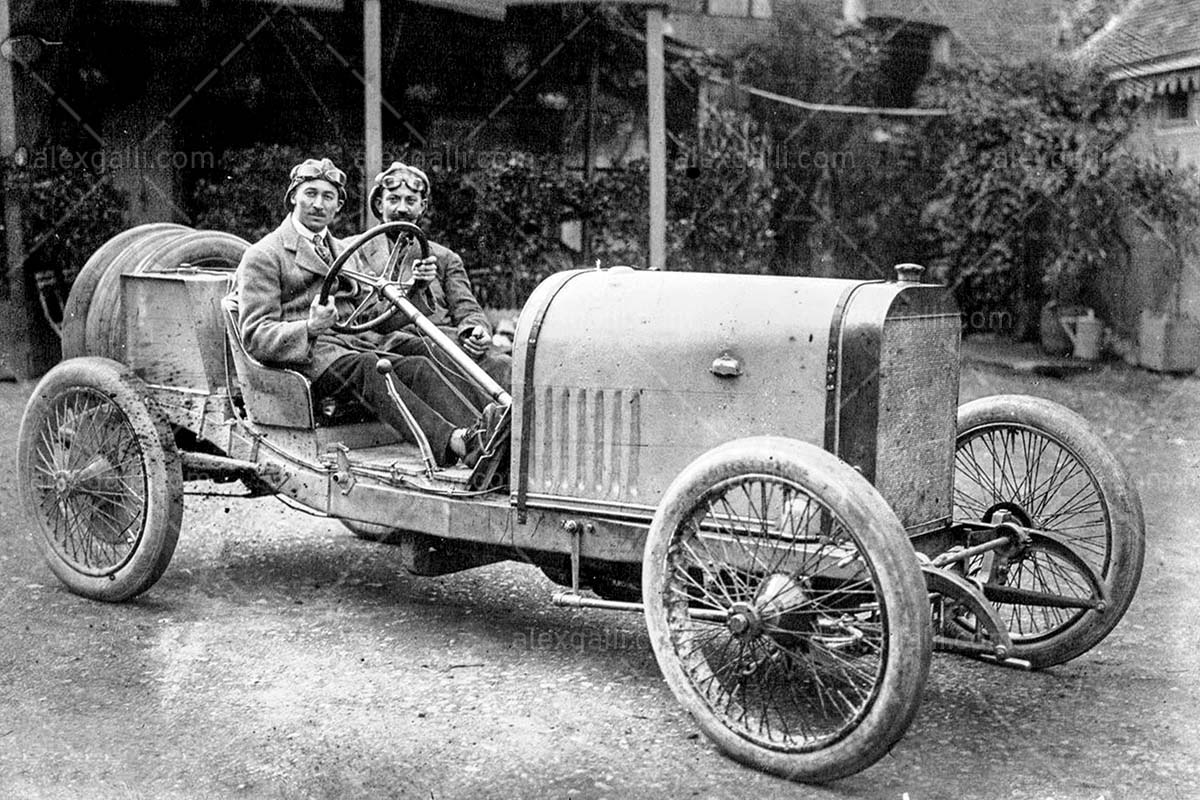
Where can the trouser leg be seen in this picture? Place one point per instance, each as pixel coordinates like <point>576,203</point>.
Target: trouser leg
<point>427,381</point>
<point>497,365</point>
<point>436,410</point>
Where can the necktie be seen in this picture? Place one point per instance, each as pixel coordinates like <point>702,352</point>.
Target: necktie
<point>322,250</point>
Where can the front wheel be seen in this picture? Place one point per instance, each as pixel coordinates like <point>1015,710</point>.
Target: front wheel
<point>100,478</point>
<point>787,609</point>
<point>1042,466</point>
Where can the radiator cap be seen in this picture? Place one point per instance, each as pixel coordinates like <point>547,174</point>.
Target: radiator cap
<point>909,273</point>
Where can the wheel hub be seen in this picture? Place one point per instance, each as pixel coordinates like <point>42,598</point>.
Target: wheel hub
<point>744,621</point>
<point>67,481</point>
<point>779,595</point>
<point>1012,511</point>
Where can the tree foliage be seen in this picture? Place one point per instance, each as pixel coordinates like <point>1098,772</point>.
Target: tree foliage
<point>848,186</point>
<point>68,209</point>
<point>1019,193</point>
<point>506,216</point>
<point>1037,182</point>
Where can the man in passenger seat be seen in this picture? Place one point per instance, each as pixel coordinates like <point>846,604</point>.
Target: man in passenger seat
<point>282,322</point>
<point>442,288</point>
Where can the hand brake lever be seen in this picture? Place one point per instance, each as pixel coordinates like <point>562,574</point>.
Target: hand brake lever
<point>385,368</point>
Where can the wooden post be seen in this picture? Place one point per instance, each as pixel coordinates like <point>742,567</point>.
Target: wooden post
<point>589,147</point>
<point>373,101</point>
<point>14,329</point>
<point>657,137</point>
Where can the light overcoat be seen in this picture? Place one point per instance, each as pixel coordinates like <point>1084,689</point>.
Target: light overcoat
<point>276,282</point>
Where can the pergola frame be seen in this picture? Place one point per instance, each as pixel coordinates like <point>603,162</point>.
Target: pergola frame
<point>656,138</point>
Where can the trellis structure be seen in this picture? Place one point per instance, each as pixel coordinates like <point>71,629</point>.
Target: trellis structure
<point>655,94</point>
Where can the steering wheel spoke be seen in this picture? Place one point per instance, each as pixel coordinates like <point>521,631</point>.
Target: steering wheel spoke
<point>365,278</point>
<point>339,269</point>
<point>371,298</point>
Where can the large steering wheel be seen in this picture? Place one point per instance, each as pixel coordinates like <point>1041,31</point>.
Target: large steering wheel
<point>391,275</point>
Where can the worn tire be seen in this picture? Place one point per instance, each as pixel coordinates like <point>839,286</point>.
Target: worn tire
<point>854,593</point>
<point>1018,435</point>
<point>100,479</point>
<point>79,300</point>
<point>105,333</point>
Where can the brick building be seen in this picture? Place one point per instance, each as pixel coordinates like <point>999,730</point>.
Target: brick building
<point>1152,51</point>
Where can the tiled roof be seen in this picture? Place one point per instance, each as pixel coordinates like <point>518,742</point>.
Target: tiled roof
<point>1147,32</point>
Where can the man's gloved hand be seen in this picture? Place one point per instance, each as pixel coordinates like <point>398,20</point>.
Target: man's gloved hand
<point>424,269</point>
<point>475,341</point>
<point>321,317</point>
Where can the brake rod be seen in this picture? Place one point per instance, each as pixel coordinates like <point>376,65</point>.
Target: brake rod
<point>950,556</point>
<point>999,593</point>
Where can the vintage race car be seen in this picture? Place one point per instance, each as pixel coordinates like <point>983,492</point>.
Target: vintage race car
<point>774,470</point>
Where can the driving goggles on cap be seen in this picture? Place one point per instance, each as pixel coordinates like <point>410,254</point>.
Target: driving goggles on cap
<point>399,174</point>
<point>312,169</point>
<point>315,169</point>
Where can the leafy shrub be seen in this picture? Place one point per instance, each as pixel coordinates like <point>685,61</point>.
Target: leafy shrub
<point>68,210</point>
<point>244,194</point>
<point>1035,183</point>
<point>1017,195</point>
<point>847,186</point>
<point>505,216</point>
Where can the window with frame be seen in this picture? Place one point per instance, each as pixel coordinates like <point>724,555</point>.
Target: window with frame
<point>755,9</point>
<point>1176,107</point>
<point>907,50</point>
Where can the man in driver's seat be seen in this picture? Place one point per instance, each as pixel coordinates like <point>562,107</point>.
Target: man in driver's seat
<point>282,322</point>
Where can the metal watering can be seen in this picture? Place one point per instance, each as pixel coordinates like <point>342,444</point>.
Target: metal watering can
<point>1084,331</point>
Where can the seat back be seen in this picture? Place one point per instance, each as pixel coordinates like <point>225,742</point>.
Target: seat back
<point>272,395</point>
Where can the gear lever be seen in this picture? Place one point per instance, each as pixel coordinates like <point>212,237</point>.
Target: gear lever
<point>385,368</point>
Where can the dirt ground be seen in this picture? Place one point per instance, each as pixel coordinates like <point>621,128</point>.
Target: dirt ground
<point>281,657</point>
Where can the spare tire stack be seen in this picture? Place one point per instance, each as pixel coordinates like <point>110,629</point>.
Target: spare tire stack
<point>94,318</point>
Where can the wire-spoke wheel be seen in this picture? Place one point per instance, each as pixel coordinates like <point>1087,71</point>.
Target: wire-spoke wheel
<point>1041,465</point>
<point>787,609</point>
<point>100,478</point>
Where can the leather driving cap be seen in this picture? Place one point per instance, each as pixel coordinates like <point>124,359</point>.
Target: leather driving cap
<point>396,174</point>
<point>313,169</point>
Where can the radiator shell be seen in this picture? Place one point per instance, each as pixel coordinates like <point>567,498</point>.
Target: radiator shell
<point>616,384</point>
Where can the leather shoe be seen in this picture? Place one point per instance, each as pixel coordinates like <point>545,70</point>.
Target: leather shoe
<point>482,438</point>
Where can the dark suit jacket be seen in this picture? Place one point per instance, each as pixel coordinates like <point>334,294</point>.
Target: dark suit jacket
<point>276,282</point>
<point>447,300</point>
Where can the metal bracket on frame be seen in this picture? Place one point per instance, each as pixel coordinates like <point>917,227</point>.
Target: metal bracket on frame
<point>343,477</point>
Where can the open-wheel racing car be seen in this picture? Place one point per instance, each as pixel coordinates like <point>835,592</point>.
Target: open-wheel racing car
<point>774,470</point>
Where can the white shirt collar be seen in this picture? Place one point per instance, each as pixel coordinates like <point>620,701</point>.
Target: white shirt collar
<point>305,233</point>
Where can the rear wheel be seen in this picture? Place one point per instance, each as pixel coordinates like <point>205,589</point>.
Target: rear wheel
<point>1042,466</point>
<point>787,609</point>
<point>100,479</point>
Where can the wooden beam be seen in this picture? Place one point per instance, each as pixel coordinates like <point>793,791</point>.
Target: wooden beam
<point>14,330</point>
<point>656,137</point>
<point>589,146</point>
<point>373,101</point>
